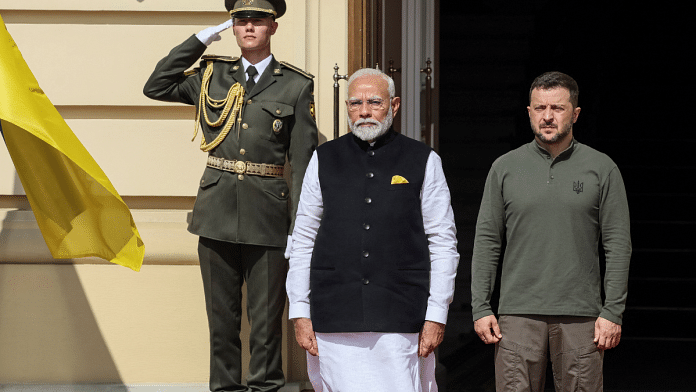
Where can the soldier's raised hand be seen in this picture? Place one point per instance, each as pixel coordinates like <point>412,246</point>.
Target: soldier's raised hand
<point>211,34</point>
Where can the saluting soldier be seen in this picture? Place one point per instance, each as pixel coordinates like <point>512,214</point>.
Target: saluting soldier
<point>252,112</point>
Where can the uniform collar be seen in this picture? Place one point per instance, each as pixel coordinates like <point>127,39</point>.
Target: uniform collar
<point>260,66</point>
<point>265,79</point>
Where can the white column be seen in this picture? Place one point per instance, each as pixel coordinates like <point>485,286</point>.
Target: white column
<point>418,44</point>
<point>411,55</point>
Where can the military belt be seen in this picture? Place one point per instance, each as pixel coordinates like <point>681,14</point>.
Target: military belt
<point>245,167</point>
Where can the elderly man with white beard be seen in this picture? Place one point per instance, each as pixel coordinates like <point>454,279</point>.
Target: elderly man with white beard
<point>374,252</point>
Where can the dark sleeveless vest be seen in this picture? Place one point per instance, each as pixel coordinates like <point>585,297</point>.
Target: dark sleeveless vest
<point>370,266</point>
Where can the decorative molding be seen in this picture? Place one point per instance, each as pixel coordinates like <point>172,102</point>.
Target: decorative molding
<point>167,242</point>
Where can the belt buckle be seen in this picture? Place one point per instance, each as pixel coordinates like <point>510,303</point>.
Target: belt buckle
<point>240,167</point>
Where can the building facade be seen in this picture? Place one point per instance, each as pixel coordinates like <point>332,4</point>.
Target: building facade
<point>86,321</point>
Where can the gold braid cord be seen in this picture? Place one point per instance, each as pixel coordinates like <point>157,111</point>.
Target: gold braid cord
<point>233,102</point>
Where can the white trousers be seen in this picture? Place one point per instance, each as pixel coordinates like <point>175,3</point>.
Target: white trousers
<point>370,361</point>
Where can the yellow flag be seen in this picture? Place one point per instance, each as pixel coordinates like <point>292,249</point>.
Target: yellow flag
<point>79,212</point>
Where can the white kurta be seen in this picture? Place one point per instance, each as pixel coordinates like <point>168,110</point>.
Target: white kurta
<point>369,361</point>
<point>346,360</point>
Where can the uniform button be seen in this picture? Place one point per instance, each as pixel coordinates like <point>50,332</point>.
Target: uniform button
<point>371,153</point>
<point>366,226</point>
<point>241,177</point>
<point>249,102</point>
<point>370,175</point>
<point>202,181</point>
<point>242,151</point>
<point>368,200</point>
<point>366,281</point>
<point>278,111</point>
<point>245,126</point>
<point>282,194</point>
<point>366,254</point>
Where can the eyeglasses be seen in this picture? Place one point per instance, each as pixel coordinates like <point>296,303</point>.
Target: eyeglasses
<point>356,104</point>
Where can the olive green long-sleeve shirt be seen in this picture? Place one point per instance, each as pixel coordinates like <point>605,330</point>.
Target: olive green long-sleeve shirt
<point>552,214</point>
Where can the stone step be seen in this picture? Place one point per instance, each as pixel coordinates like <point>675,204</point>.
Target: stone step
<point>487,51</point>
<point>663,234</point>
<point>661,292</point>
<point>470,160</point>
<point>646,151</point>
<point>650,365</point>
<point>660,322</point>
<point>461,74</point>
<point>634,365</point>
<point>658,179</point>
<point>474,103</point>
<point>470,24</point>
<point>477,129</point>
<point>662,206</point>
<point>662,263</point>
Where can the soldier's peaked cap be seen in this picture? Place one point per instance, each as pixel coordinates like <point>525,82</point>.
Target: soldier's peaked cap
<point>255,8</point>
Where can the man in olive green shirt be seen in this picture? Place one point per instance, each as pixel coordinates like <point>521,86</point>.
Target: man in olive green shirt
<point>551,201</point>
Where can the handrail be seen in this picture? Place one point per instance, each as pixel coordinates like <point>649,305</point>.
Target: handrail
<point>427,134</point>
<point>336,78</point>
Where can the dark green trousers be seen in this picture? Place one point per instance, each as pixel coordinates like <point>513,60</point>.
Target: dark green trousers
<point>224,268</point>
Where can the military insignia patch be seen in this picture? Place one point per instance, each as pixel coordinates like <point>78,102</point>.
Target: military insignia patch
<point>277,125</point>
<point>312,111</point>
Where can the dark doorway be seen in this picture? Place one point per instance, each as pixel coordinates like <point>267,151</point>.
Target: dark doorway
<point>631,65</point>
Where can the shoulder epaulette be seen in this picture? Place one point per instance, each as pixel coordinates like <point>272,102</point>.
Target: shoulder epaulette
<point>215,57</point>
<point>298,70</point>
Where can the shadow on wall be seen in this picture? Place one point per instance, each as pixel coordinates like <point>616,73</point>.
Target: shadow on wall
<point>48,332</point>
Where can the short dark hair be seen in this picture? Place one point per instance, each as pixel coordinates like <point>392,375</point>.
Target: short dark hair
<point>551,80</point>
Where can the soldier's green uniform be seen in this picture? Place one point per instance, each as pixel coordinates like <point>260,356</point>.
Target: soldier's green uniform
<point>242,212</point>
<point>245,209</point>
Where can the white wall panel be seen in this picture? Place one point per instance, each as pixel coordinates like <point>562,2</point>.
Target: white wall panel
<point>92,321</point>
<point>140,157</point>
<point>102,323</point>
<point>163,231</point>
<point>100,64</point>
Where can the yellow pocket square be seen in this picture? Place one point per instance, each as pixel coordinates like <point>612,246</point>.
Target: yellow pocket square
<point>399,180</point>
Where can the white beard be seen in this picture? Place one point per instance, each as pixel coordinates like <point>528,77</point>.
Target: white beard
<point>372,132</point>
